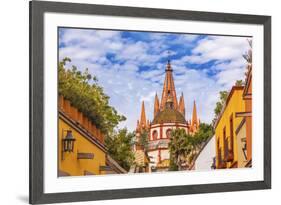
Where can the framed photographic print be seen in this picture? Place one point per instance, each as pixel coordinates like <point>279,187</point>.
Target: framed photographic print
<point>132,102</point>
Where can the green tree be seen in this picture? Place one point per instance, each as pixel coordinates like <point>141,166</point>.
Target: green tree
<point>144,139</point>
<point>173,166</point>
<point>222,100</point>
<point>239,83</point>
<point>220,103</point>
<point>204,132</point>
<point>196,141</point>
<point>83,91</point>
<point>184,146</point>
<point>248,55</point>
<point>119,145</point>
<point>179,147</point>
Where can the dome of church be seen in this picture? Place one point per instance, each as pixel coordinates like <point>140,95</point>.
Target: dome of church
<point>169,115</point>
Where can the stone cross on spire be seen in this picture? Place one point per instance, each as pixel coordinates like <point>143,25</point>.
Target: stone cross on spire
<point>169,56</point>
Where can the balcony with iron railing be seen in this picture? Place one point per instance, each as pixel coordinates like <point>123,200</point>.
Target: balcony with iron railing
<point>158,144</point>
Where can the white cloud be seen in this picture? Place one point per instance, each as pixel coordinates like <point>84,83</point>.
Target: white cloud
<point>196,85</point>
<point>186,39</point>
<point>230,76</point>
<point>218,48</point>
<point>227,53</point>
<point>152,74</point>
<point>127,86</point>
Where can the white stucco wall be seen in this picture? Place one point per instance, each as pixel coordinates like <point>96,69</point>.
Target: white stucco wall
<point>154,157</point>
<point>153,154</point>
<point>205,159</point>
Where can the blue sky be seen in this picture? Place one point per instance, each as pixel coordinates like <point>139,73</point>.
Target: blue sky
<point>131,66</point>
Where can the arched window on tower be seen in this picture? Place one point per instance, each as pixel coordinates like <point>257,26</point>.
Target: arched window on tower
<point>168,133</point>
<point>154,135</point>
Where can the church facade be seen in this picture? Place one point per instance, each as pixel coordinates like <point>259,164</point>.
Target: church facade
<point>169,114</point>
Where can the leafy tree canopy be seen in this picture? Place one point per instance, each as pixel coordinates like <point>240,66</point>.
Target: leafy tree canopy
<point>144,139</point>
<point>203,134</point>
<point>223,97</point>
<point>173,165</point>
<point>248,55</point>
<point>119,146</point>
<point>179,146</point>
<point>239,83</point>
<point>220,103</point>
<point>84,93</point>
<point>184,146</point>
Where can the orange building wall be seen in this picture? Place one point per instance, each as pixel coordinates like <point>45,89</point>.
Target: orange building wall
<point>235,103</point>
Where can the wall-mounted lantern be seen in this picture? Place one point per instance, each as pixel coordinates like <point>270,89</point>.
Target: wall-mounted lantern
<point>68,142</point>
<point>244,148</point>
<point>213,166</point>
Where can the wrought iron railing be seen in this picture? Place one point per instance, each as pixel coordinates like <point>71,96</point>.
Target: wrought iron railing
<point>156,144</point>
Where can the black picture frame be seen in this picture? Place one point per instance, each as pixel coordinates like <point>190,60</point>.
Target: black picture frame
<point>36,26</point>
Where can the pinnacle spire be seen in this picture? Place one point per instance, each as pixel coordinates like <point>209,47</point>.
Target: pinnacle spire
<point>156,105</point>
<point>169,88</point>
<point>143,116</point>
<point>181,105</point>
<point>194,115</point>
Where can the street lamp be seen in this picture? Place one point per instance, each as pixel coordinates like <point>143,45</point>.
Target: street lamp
<point>68,142</point>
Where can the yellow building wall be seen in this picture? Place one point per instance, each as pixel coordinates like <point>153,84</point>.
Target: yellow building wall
<point>235,104</point>
<point>69,163</point>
